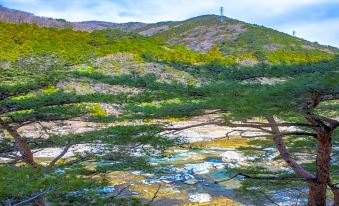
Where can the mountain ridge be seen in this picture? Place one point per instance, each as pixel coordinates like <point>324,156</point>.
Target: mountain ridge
<point>245,43</point>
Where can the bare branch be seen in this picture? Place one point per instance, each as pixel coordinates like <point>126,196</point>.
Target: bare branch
<point>122,190</point>
<point>32,198</point>
<point>229,124</point>
<point>57,158</point>
<point>263,178</point>
<point>231,178</point>
<point>23,124</point>
<point>299,133</point>
<point>269,198</point>
<point>192,126</point>
<point>156,193</point>
<point>248,125</point>
<point>45,129</point>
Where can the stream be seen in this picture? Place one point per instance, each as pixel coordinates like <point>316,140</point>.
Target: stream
<point>188,178</point>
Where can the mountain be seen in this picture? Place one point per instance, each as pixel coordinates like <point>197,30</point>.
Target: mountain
<point>99,25</point>
<point>231,40</point>
<point>145,108</point>
<point>233,37</point>
<point>19,17</point>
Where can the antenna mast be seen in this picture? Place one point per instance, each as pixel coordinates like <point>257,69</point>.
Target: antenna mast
<point>222,17</point>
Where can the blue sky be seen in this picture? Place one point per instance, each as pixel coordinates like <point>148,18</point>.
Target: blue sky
<point>314,20</point>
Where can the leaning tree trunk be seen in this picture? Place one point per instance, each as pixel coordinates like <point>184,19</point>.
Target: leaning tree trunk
<point>283,151</point>
<point>318,187</point>
<point>317,184</point>
<point>25,150</point>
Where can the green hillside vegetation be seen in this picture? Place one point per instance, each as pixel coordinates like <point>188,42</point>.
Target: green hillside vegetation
<point>249,41</point>
<point>78,47</point>
<point>132,86</point>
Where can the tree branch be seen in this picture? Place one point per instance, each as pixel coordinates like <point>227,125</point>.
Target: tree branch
<point>32,198</point>
<point>122,190</point>
<point>57,158</point>
<point>263,178</point>
<point>280,145</point>
<point>156,193</point>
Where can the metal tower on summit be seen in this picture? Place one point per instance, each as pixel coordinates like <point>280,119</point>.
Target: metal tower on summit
<point>222,17</point>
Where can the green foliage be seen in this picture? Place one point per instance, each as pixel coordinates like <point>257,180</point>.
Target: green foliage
<point>182,83</point>
<point>29,73</point>
<point>18,183</point>
<point>276,47</point>
<point>168,109</point>
<point>119,135</point>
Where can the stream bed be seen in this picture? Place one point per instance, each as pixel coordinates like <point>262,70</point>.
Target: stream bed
<point>188,177</point>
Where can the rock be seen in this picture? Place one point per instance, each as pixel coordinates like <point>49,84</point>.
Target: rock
<point>152,31</point>
<point>169,179</point>
<point>202,168</point>
<point>106,190</point>
<point>191,181</point>
<point>232,157</point>
<point>188,176</point>
<point>59,171</point>
<point>199,197</point>
<point>137,172</point>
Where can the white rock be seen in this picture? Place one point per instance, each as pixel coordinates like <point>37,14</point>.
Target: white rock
<point>200,168</point>
<point>137,172</point>
<point>191,181</point>
<point>232,156</point>
<point>74,150</point>
<point>199,197</point>
<point>218,165</point>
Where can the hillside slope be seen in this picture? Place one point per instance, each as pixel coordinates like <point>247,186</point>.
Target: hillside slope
<point>19,17</point>
<point>228,42</point>
<point>232,37</point>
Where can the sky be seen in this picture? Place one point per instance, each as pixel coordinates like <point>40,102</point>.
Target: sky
<point>314,20</point>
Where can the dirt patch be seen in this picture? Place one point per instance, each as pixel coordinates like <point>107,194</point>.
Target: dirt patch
<point>273,47</point>
<point>154,30</point>
<point>203,38</point>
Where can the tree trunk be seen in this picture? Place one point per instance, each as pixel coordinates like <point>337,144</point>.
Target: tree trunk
<point>318,183</point>
<point>316,194</point>
<point>280,145</point>
<point>22,145</point>
<point>323,156</point>
<point>335,192</point>
<point>25,152</point>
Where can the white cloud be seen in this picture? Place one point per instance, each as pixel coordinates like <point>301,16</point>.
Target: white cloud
<point>155,10</point>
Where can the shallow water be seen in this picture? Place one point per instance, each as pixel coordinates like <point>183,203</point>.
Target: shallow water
<point>188,177</point>
<point>207,166</point>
